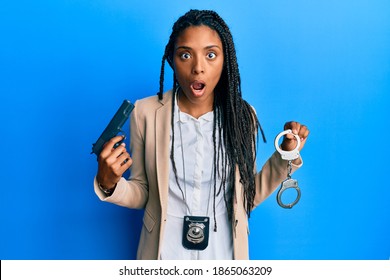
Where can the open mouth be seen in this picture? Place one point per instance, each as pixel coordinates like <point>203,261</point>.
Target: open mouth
<point>198,85</point>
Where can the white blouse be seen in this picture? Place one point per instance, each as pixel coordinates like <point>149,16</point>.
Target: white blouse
<point>198,190</point>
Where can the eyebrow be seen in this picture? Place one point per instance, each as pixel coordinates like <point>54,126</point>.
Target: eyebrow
<point>206,48</point>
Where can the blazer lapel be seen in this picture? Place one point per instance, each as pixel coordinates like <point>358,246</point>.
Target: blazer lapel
<point>163,129</point>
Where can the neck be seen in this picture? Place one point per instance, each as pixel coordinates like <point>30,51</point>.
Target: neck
<point>195,109</point>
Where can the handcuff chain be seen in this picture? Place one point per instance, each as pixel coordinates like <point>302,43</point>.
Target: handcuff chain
<point>289,169</point>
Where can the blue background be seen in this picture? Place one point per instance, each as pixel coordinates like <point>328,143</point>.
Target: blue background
<point>65,67</point>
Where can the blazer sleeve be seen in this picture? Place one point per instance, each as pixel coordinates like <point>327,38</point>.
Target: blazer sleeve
<point>132,193</point>
<point>272,174</point>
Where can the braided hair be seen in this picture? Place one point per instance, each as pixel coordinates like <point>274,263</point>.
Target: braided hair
<point>233,116</point>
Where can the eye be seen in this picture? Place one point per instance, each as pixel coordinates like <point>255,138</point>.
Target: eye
<point>185,56</point>
<point>211,55</point>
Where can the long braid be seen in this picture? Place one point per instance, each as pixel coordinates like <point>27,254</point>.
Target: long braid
<point>162,72</point>
<point>234,118</point>
<point>233,110</point>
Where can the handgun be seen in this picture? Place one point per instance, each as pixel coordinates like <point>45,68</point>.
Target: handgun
<point>114,127</point>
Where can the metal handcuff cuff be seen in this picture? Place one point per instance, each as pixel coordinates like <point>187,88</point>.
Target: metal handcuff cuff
<point>289,156</point>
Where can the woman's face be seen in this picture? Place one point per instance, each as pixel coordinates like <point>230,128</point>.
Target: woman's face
<point>198,62</point>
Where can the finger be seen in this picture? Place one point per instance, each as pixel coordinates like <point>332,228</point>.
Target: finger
<point>114,160</point>
<point>115,142</point>
<point>125,161</point>
<point>112,157</point>
<point>122,163</point>
<point>290,137</point>
<point>306,134</point>
<point>294,126</point>
<point>109,146</point>
<point>115,153</point>
<point>289,125</point>
<point>303,132</point>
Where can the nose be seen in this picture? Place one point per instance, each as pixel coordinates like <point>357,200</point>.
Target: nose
<point>198,66</point>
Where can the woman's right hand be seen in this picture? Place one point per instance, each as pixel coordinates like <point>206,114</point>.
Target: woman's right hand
<point>112,163</point>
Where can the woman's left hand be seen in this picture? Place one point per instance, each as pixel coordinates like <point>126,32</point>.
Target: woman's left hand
<point>289,142</point>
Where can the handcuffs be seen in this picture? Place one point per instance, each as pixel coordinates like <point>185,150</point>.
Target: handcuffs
<point>289,183</point>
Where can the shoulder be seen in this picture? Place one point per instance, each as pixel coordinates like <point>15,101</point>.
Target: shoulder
<point>151,103</point>
<point>146,108</point>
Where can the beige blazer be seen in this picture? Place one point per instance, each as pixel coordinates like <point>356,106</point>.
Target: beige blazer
<point>147,186</point>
